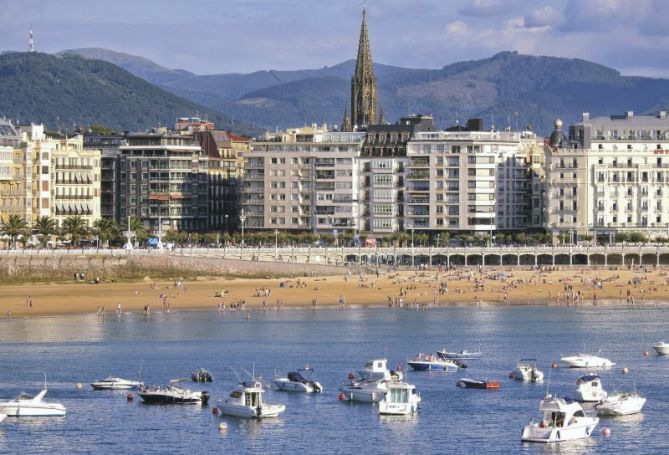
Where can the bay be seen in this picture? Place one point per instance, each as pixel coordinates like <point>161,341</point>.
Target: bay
<point>82,348</point>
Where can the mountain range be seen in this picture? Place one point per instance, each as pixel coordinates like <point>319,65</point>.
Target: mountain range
<point>66,92</point>
<point>507,89</point>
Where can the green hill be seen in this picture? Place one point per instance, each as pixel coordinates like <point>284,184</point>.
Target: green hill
<point>70,91</point>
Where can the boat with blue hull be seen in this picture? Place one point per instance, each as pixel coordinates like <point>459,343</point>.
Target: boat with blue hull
<point>425,362</point>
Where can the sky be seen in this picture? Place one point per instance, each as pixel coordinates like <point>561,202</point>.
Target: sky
<point>241,36</point>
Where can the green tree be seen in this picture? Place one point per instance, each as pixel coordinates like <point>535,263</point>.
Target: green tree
<point>14,227</point>
<point>137,226</point>
<point>76,228</point>
<point>100,130</point>
<point>45,227</point>
<point>106,229</point>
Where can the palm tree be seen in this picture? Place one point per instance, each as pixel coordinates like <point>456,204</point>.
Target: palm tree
<point>106,229</point>
<point>45,227</point>
<point>136,225</point>
<point>76,227</point>
<point>14,227</point>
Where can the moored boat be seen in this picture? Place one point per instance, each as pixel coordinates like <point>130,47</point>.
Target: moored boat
<point>527,371</point>
<point>2,417</point>
<point>202,375</point>
<point>428,362</point>
<point>173,394</point>
<point>246,401</point>
<point>115,383</point>
<point>462,355</point>
<point>28,406</point>
<point>299,381</point>
<point>589,388</point>
<point>563,420</point>
<point>621,404</point>
<point>661,348</point>
<point>469,383</point>
<point>365,390</point>
<point>378,369</point>
<point>586,361</point>
<point>401,398</point>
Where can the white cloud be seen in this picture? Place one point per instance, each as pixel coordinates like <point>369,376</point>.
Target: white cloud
<point>542,17</point>
<point>485,8</point>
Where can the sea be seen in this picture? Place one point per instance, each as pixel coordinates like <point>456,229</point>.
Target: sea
<point>79,349</point>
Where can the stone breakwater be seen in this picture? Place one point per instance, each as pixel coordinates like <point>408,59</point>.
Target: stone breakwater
<point>55,268</point>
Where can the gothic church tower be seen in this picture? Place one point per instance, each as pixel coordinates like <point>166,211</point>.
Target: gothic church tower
<point>363,83</point>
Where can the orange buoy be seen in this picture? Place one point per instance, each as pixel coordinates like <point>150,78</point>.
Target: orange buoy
<point>214,410</point>
<point>646,353</point>
<point>351,376</point>
<point>130,396</point>
<point>606,431</point>
<point>342,397</point>
<point>554,365</point>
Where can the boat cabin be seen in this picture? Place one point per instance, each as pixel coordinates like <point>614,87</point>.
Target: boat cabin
<point>559,412</point>
<point>400,393</point>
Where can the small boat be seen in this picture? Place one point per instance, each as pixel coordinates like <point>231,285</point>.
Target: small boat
<point>365,390</point>
<point>2,417</point>
<point>425,362</point>
<point>563,420</point>
<point>400,399</point>
<point>173,394</point>
<point>299,381</point>
<point>462,355</point>
<point>246,401</point>
<point>28,406</point>
<point>378,369</point>
<point>114,383</point>
<point>478,384</point>
<point>527,371</point>
<point>586,361</point>
<point>202,375</point>
<point>589,388</point>
<point>661,348</point>
<point>621,404</point>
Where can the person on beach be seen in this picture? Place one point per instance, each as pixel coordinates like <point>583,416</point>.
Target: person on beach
<point>118,309</point>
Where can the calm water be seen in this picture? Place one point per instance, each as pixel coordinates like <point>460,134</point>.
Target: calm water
<point>452,420</point>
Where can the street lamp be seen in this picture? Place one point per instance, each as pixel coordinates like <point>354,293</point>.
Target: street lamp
<point>226,222</point>
<point>276,244</point>
<point>242,218</point>
<point>412,251</point>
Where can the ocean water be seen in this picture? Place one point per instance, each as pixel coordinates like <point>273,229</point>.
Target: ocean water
<point>73,349</point>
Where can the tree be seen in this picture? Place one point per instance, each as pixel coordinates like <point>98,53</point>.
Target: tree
<point>521,237</point>
<point>76,228</point>
<point>106,229</point>
<point>45,227</point>
<point>137,226</point>
<point>14,227</point>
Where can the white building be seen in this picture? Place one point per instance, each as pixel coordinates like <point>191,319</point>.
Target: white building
<point>610,175</point>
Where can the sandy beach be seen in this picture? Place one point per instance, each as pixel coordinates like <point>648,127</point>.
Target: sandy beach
<point>422,289</point>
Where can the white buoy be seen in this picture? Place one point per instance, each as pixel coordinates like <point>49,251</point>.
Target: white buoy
<point>626,370</point>
<point>222,426</point>
<point>79,386</point>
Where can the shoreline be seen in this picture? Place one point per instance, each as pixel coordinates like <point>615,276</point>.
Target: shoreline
<point>422,290</point>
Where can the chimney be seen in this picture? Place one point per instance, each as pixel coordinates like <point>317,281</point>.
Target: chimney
<point>586,117</point>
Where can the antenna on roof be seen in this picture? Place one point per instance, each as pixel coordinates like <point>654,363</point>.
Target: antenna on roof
<point>31,40</point>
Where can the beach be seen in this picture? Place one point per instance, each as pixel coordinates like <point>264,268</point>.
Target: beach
<point>406,289</point>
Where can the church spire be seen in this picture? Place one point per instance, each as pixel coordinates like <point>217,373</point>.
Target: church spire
<point>363,83</point>
<point>346,123</point>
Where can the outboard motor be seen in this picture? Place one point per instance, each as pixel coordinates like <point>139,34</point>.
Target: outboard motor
<point>205,398</point>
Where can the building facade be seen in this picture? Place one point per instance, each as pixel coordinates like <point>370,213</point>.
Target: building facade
<point>13,192</point>
<point>163,181</point>
<point>610,175</point>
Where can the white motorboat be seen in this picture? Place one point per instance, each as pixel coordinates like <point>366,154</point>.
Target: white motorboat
<point>2,417</point>
<point>378,369</point>
<point>28,406</point>
<point>527,371</point>
<point>173,394</point>
<point>586,361</point>
<point>114,383</point>
<point>400,399</point>
<point>589,388</point>
<point>299,381</point>
<point>661,348</point>
<point>563,420</point>
<point>246,400</point>
<point>621,404</point>
<point>365,390</point>
<point>429,362</point>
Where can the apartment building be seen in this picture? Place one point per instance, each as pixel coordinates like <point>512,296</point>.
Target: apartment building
<point>12,173</point>
<point>610,175</point>
<point>162,178</point>
<point>303,179</point>
<point>471,180</point>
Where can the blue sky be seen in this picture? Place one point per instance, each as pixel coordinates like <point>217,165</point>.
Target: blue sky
<point>223,36</point>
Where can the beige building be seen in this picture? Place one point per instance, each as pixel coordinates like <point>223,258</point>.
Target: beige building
<point>610,175</point>
<point>12,173</point>
<point>471,181</point>
<point>304,179</point>
<point>75,174</point>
